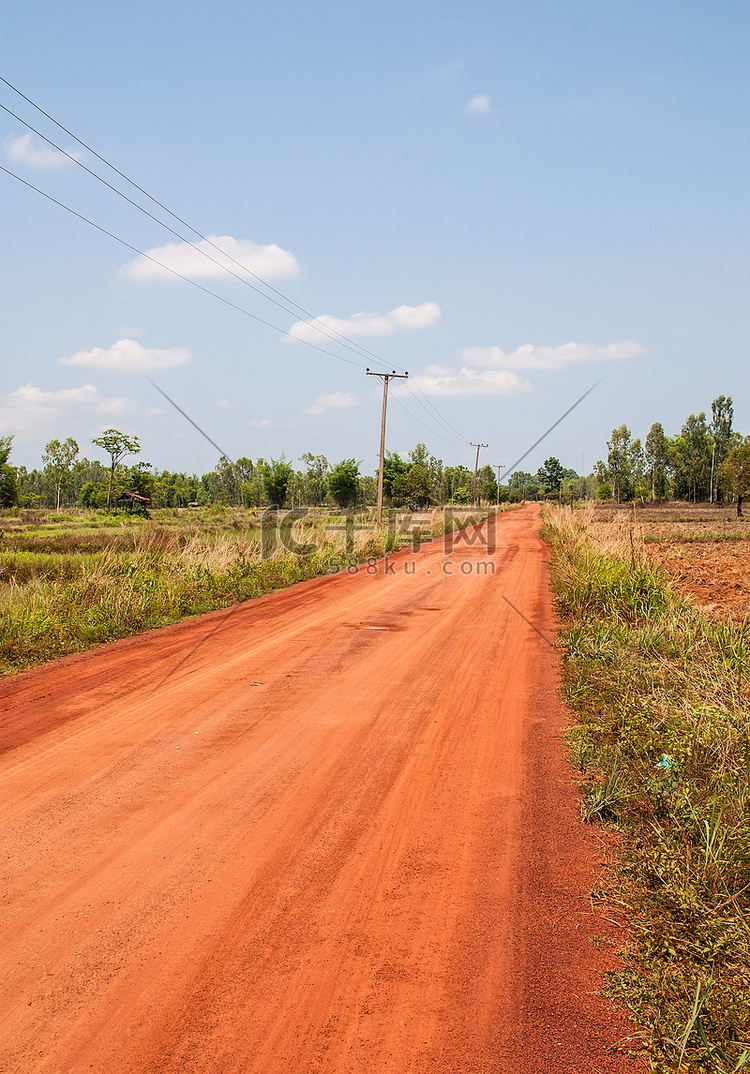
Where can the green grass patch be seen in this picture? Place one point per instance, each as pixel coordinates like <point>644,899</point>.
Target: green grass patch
<point>68,585</point>
<point>662,742</point>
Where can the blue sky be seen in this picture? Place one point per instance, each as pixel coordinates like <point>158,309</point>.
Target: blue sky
<point>510,200</point>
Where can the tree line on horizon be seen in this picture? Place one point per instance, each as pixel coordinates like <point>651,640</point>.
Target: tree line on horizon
<point>66,479</point>
<point>705,461</point>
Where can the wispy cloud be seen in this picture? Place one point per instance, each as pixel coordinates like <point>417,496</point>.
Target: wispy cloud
<point>129,355</point>
<point>30,151</point>
<point>370,324</point>
<point>336,399</point>
<point>442,380</point>
<point>29,410</point>
<point>530,356</point>
<point>492,371</point>
<point>201,260</point>
<point>260,423</point>
<point>480,103</point>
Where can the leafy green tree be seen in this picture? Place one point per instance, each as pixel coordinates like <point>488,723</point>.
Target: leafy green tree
<point>32,486</point>
<point>8,479</point>
<point>87,471</point>
<point>314,484</point>
<point>487,484</point>
<point>724,438</point>
<point>343,483</point>
<point>691,459</point>
<point>458,484</point>
<point>117,445</point>
<point>735,471</point>
<point>656,456</point>
<point>368,489</point>
<point>624,465</point>
<point>139,479</point>
<point>94,494</point>
<point>551,474</point>
<point>275,475</point>
<point>59,459</point>
<point>393,466</point>
<point>412,487</point>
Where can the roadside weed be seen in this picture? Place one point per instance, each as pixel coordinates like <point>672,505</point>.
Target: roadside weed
<point>662,743</point>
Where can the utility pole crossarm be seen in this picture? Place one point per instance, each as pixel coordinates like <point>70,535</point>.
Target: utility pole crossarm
<point>393,375</point>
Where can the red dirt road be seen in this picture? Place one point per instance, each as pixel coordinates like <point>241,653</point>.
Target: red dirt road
<point>340,837</point>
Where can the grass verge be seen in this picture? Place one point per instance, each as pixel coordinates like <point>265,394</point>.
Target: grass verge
<point>662,742</point>
<point>66,587</point>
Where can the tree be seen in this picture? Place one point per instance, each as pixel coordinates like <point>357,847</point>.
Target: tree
<point>117,445</point>
<point>412,487</point>
<point>343,483</point>
<point>624,464</point>
<point>724,440</point>
<point>59,460</point>
<point>735,471</point>
<point>8,480</point>
<point>551,474</point>
<point>457,484</point>
<point>275,475</point>
<point>314,485</point>
<point>393,466</point>
<point>692,452</point>
<point>656,455</point>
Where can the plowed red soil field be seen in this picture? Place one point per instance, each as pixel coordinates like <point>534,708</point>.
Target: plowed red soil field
<point>332,830</point>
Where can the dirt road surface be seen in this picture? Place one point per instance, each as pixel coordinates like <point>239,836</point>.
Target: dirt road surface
<point>332,831</point>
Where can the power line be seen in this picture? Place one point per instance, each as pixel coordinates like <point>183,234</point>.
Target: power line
<point>213,294</point>
<point>419,421</point>
<point>188,418</point>
<point>194,283</point>
<point>437,413</point>
<point>316,322</point>
<point>554,426</point>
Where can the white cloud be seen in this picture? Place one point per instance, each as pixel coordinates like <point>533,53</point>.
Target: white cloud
<point>31,151</point>
<point>223,403</point>
<point>490,371</point>
<point>260,423</point>
<point>30,410</point>
<point>442,380</point>
<point>369,324</point>
<point>129,355</point>
<point>190,260</point>
<point>480,103</point>
<point>530,357</point>
<point>336,399</point>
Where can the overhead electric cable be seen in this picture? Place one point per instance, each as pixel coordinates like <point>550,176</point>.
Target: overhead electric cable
<point>446,424</point>
<point>316,322</point>
<point>188,418</point>
<point>542,437</point>
<point>432,432</point>
<point>319,326</point>
<point>194,283</point>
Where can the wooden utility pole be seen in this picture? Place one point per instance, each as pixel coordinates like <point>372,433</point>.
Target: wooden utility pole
<point>386,377</point>
<point>498,485</point>
<point>476,466</point>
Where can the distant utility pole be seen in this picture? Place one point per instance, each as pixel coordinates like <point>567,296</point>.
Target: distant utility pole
<point>386,377</point>
<point>498,485</point>
<point>476,466</point>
